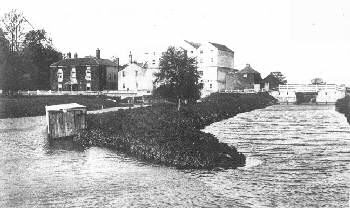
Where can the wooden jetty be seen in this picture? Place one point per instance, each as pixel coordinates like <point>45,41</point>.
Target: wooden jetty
<point>65,119</point>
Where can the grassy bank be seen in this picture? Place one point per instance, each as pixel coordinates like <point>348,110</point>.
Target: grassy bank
<point>22,106</point>
<point>161,135</point>
<point>343,106</point>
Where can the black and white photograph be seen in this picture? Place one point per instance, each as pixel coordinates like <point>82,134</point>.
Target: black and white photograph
<point>186,103</point>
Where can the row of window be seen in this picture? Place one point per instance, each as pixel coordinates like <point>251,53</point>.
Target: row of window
<point>123,73</point>
<point>201,51</point>
<point>88,86</point>
<point>137,86</point>
<point>73,74</point>
<point>114,76</point>
<point>201,60</point>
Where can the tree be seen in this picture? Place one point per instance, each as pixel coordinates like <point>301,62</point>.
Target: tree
<point>280,77</point>
<point>4,54</point>
<point>39,50</point>
<point>14,26</point>
<point>317,81</point>
<point>178,77</point>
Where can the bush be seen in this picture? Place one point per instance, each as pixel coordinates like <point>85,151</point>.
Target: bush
<point>343,106</point>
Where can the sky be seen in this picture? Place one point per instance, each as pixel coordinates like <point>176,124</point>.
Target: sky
<point>303,39</point>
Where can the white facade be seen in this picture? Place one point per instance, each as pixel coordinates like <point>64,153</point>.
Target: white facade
<point>214,63</point>
<point>136,78</point>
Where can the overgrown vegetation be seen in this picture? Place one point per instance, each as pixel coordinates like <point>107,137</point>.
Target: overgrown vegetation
<point>162,135</point>
<point>343,106</point>
<point>25,55</point>
<point>178,77</point>
<point>21,106</point>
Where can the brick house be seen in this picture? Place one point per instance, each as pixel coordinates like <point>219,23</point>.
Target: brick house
<point>243,79</point>
<point>84,74</point>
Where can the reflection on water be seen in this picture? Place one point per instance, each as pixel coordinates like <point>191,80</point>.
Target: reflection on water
<point>298,156</point>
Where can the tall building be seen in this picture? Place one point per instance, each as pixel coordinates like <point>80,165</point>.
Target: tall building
<point>215,62</point>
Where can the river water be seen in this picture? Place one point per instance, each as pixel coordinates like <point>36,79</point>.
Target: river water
<point>297,156</point>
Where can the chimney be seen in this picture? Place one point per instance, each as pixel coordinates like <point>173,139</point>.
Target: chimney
<point>76,55</point>
<point>117,62</point>
<point>69,55</point>
<point>247,65</point>
<point>98,55</point>
<point>130,58</point>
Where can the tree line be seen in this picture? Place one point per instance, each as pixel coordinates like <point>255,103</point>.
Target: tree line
<point>25,54</point>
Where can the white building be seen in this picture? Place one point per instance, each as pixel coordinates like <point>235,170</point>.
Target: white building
<point>136,77</point>
<point>215,61</point>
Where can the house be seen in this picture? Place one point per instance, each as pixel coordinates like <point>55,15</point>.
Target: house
<point>136,77</point>
<point>84,74</point>
<point>215,62</point>
<point>243,79</point>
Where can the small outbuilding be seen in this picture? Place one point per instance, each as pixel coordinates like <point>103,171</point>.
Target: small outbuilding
<point>65,119</point>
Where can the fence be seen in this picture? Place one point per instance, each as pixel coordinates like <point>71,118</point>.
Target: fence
<point>310,88</point>
<point>122,94</point>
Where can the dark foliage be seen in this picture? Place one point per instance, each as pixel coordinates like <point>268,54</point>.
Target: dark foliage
<point>178,77</point>
<point>161,134</point>
<point>343,106</point>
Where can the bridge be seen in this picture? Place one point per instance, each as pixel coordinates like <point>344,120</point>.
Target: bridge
<point>299,93</point>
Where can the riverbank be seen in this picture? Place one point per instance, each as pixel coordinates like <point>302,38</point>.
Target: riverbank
<point>28,106</point>
<point>160,134</point>
<point>343,106</point>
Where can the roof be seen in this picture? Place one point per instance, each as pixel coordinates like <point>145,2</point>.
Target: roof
<point>195,45</point>
<point>83,62</point>
<point>64,107</point>
<point>248,70</point>
<point>141,65</point>
<point>221,47</point>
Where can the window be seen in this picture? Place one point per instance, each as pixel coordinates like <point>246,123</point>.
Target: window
<point>88,86</point>
<point>115,76</point>
<point>211,86</point>
<point>110,77</point>
<point>200,73</point>
<point>88,73</point>
<point>201,51</point>
<point>153,61</point>
<point>136,73</point>
<point>59,87</point>
<point>191,51</point>
<point>212,60</point>
<point>60,75</point>
<point>137,85</point>
<point>201,60</point>
<point>123,73</point>
<point>73,73</point>
<point>123,85</point>
<point>245,75</point>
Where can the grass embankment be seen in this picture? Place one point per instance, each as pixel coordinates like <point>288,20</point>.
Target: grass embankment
<point>22,106</point>
<point>343,106</point>
<point>161,135</point>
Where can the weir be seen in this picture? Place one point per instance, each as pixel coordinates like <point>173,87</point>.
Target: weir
<point>308,93</point>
